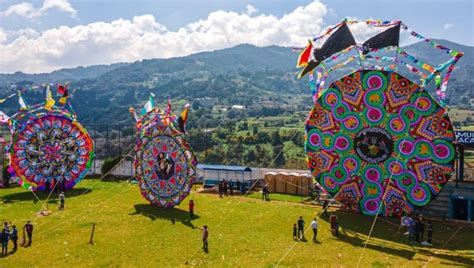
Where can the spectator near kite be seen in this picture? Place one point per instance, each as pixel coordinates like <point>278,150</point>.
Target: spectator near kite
<point>165,164</point>
<point>49,146</point>
<point>376,140</point>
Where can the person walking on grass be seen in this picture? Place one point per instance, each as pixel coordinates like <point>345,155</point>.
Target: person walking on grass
<point>301,228</point>
<point>5,238</point>
<point>314,226</point>
<point>191,209</point>
<point>62,198</point>
<point>14,237</point>
<point>205,238</point>
<point>28,229</point>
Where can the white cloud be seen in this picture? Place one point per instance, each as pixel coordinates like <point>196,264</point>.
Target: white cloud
<point>448,25</point>
<point>249,10</point>
<point>143,37</point>
<point>27,10</point>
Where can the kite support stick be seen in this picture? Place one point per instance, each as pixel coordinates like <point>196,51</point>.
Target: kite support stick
<point>91,241</point>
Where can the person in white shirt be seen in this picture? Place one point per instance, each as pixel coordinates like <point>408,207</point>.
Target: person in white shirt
<point>314,226</point>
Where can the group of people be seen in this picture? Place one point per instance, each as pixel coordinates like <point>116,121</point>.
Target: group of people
<point>205,231</point>
<point>298,228</point>
<point>10,233</point>
<point>416,229</point>
<point>227,187</point>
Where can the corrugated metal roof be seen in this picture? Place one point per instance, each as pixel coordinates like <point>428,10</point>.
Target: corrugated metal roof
<point>224,168</point>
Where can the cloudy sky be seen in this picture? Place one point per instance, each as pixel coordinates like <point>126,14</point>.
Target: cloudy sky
<point>45,35</point>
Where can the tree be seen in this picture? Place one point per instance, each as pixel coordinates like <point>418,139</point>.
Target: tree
<point>278,156</point>
<point>196,105</point>
<point>254,129</point>
<point>276,139</point>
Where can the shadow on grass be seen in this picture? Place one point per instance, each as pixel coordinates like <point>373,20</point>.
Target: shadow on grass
<point>351,228</point>
<point>28,196</point>
<point>170,214</point>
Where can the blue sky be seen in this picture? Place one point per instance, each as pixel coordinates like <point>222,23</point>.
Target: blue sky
<point>159,28</point>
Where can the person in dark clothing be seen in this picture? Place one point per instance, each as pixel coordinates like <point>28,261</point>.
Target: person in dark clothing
<point>264,193</point>
<point>334,225</point>
<point>417,230</point>
<point>221,186</point>
<point>422,228</point>
<point>295,232</point>
<point>28,229</point>
<point>430,233</point>
<point>238,186</point>
<point>225,187</point>
<point>325,208</point>
<point>5,238</point>
<point>301,228</point>
<point>231,188</point>
<point>14,237</point>
<point>191,209</point>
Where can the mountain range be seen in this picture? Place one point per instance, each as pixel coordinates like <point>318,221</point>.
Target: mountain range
<point>242,75</point>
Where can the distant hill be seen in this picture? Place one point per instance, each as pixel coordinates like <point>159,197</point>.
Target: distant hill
<point>69,74</point>
<point>243,75</point>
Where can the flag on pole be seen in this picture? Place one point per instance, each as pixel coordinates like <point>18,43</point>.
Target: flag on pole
<point>4,118</point>
<point>389,37</point>
<point>341,39</point>
<point>183,118</point>
<point>305,55</point>
<point>49,99</point>
<point>22,102</point>
<point>134,114</point>
<point>168,109</point>
<point>64,92</point>
<point>149,104</point>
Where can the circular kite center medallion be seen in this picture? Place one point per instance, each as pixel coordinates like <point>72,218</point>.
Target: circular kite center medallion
<point>51,152</point>
<point>373,145</point>
<point>164,166</point>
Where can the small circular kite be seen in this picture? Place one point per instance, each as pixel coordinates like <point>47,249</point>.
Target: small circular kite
<point>165,165</point>
<point>49,146</point>
<point>375,140</point>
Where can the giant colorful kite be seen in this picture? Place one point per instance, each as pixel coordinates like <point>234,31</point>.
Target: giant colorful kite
<point>375,140</point>
<point>49,147</point>
<point>165,164</point>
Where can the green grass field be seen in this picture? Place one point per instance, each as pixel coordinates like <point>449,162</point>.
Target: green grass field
<point>244,232</point>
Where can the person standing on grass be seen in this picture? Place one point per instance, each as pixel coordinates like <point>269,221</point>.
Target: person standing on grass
<point>430,233</point>
<point>5,238</point>
<point>62,198</point>
<point>221,187</point>
<point>334,225</point>
<point>191,209</point>
<point>205,238</point>
<point>422,227</point>
<point>29,232</point>
<point>295,232</point>
<point>301,228</point>
<point>225,187</point>
<point>14,237</point>
<point>314,226</point>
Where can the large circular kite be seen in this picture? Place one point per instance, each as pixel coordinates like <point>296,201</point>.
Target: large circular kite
<point>375,138</point>
<point>49,147</point>
<point>165,164</point>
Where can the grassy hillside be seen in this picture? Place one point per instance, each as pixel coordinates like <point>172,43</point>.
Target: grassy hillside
<point>244,232</point>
